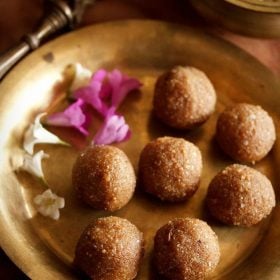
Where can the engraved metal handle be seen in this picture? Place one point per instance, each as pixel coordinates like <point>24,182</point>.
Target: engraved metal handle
<point>59,17</point>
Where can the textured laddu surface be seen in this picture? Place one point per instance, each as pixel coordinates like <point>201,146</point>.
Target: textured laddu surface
<point>103,177</point>
<point>245,132</point>
<point>110,248</point>
<point>240,195</point>
<point>170,168</point>
<point>186,249</point>
<point>184,97</point>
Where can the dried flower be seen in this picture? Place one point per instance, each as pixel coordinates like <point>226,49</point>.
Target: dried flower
<point>36,133</point>
<point>113,130</point>
<point>72,116</point>
<point>48,204</point>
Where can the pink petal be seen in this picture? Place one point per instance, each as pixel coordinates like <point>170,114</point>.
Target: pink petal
<point>107,90</point>
<point>121,86</point>
<point>90,95</point>
<point>126,87</point>
<point>113,130</point>
<point>72,116</point>
<point>124,133</point>
<point>99,76</point>
<point>115,79</point>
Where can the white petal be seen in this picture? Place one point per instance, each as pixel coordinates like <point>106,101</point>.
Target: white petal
<point>29,140</point>
<point>48,211</point>
<point>16,160</point>
<point>36,133</point>
<point>38,199</point>
<point>55,214</point>
<point>82,77</point>
<point>43,210</point>
<point>49,204</point>
<point>33,164</point>
<point>39,132</point>
<point>37,120</point>
<point>48,193</point>
<point>60,202</point>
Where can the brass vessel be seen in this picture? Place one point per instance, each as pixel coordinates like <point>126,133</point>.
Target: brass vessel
<point>260,18</point>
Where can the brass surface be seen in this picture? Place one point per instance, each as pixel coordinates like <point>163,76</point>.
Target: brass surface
<point>250,17</point>
<point>44,248</point>
<point>271,6</point>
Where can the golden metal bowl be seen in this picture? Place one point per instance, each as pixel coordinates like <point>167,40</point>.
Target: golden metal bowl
<point>44,248</point>
<point>260,18</point>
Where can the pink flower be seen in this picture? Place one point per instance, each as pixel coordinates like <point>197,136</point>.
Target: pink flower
<point>91,94</point>
<point>113,130</point>
<point>121,85</point>
<point>107,90</point>
<point>72,116</point>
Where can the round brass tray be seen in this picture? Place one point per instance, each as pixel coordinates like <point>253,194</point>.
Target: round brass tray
<point>44,248</point>
<point>249,17</point>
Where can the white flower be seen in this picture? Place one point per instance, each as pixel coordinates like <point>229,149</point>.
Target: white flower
<point>33,164</point>
<point>48,204</point>
<point>81,78</point>
<point>16,158</point>
<point>36,133</point>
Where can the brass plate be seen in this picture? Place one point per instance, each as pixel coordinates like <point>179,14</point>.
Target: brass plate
<point>249,17</point>
<point>44,248</point>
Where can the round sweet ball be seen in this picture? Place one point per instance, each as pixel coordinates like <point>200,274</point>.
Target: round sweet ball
<point>245,132</point>
<point>103,177</point>
<point>186,248</point>
<point>184,97</point>
<point>110,248</point>
<point>240,195</point>
<point>170,168</point>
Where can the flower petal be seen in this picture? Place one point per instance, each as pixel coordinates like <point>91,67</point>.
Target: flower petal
<point>106,90</point>
<point>36,133</point>
<point>55,214</point>
<point>72,116</point>
<point>38,199</point>
<point>99,76</point>
<point>60,202</point>
<point>48,204</point>
<point>33,164</point>
<point>113,130</point>
<point>90,95</point>
<point>123,133</point>
<point>121,86</point>
<point>81,78</point>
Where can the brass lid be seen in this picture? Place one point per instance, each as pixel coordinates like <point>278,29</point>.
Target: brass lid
<point>270,6</point>
<point>260,18</point>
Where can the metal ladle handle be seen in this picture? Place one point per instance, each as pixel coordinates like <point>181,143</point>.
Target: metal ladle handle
<point>59,17</point>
